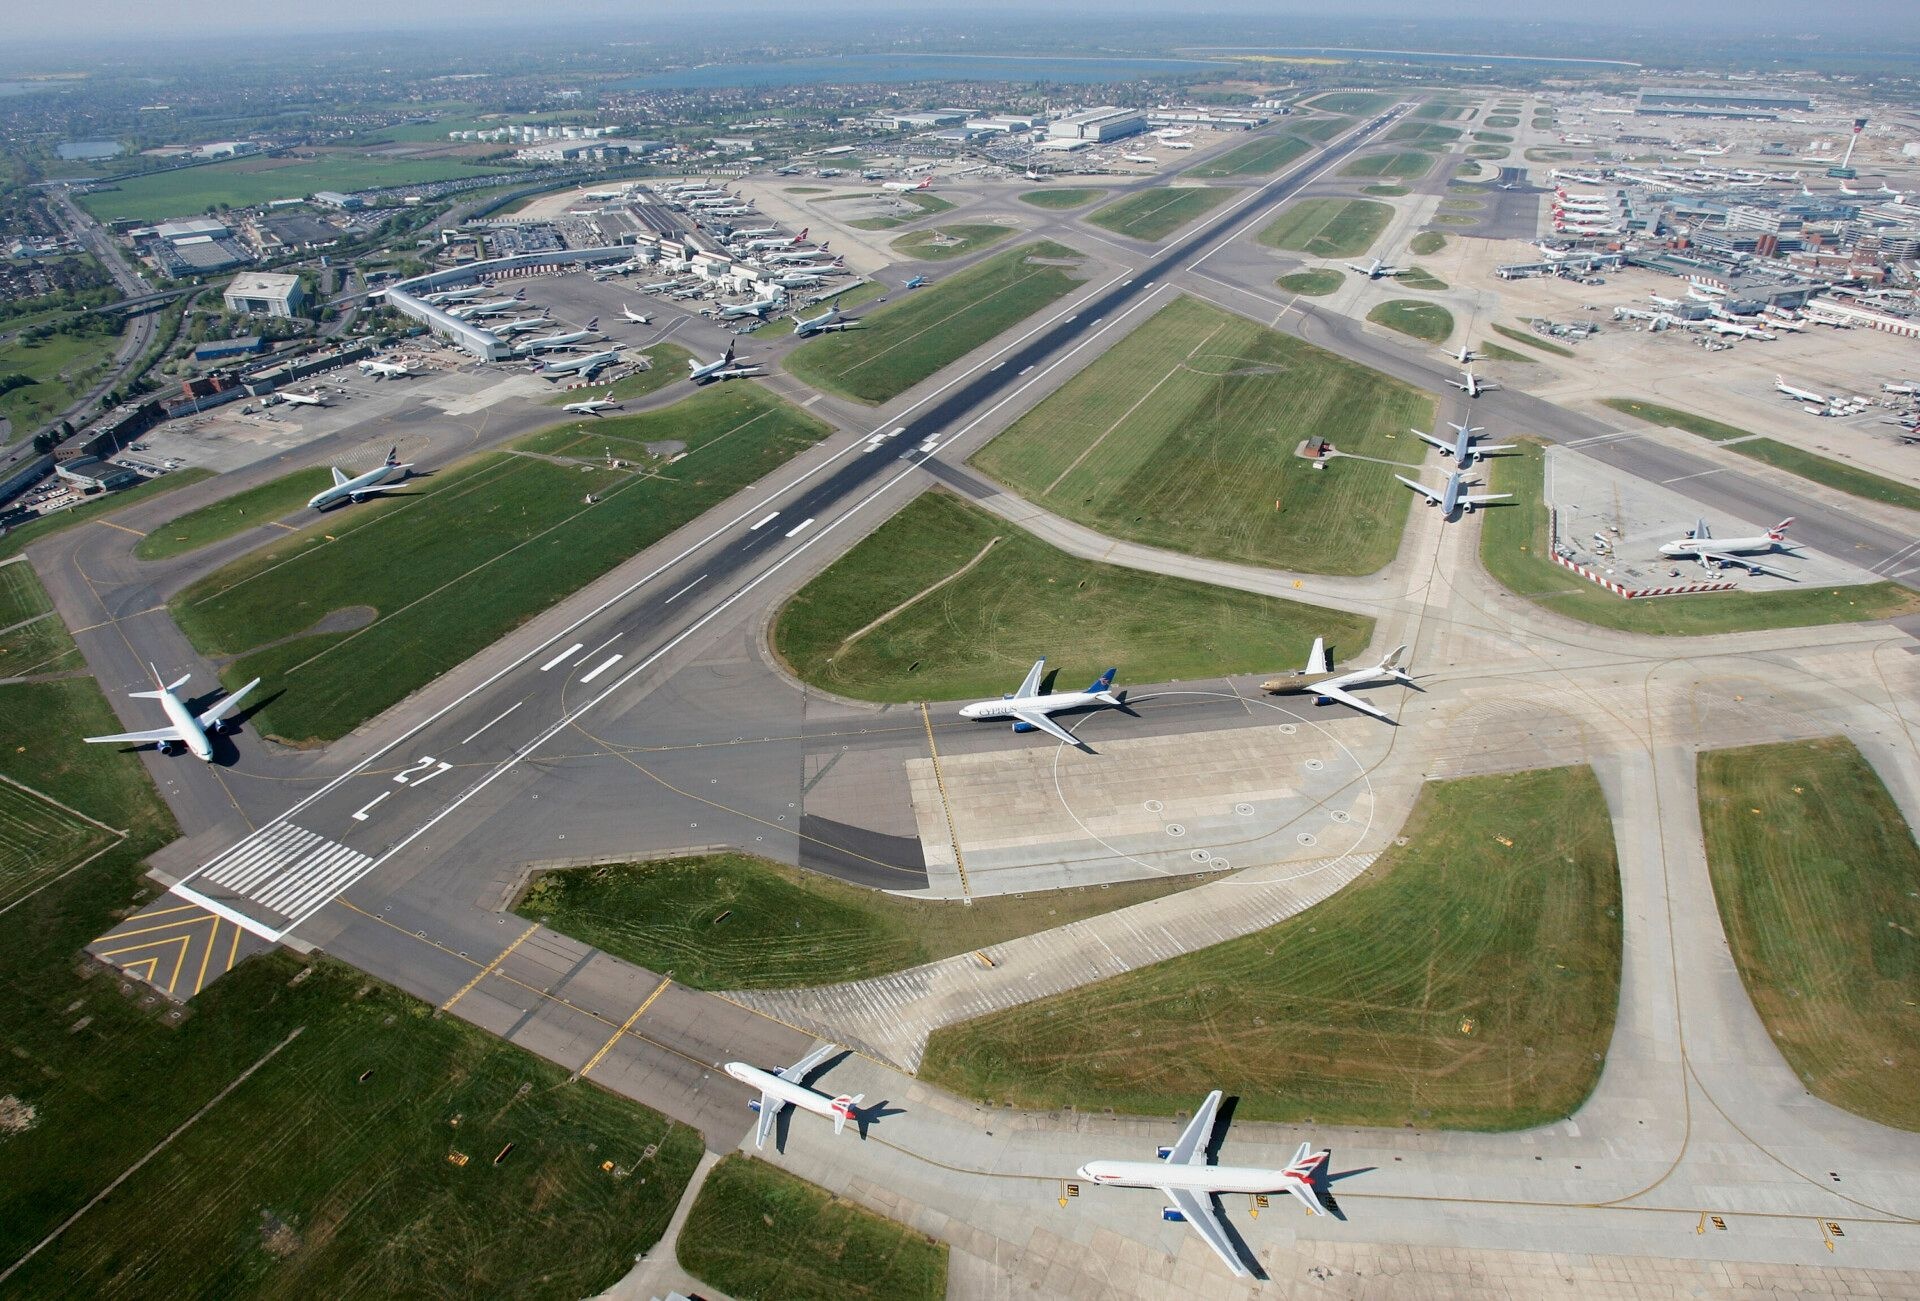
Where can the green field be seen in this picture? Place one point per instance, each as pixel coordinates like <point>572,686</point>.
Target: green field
<point>187,191</point>
<point>93,508</point>
<point>927,204</point>
<point>939,243</point>
<point>1503,120</point>
<point>1467,980</point>
<point>911,338</point>
<point>1260,157</point>
<point>1060,199</point>
<point>1355,103</point>
<point>32,637</point>
<point>1462,205</point>
<point>273,500</point>
<point>60,368</point>
<point>1514,549</point>
<point>1439,111</point>
<point>1328,227</point>
<point>1406,165</point>
<point>1814,872</point>
<point>1422,135</point>
<point>875,626</point>
<point>669,364</point>
<point>1182,436</point>
<point>1494,352</point>
<point>1428,322</point>
<point>1492,138</point>
<point>731,921</point>
<point>1157,213</point>
<point>1316,283</point>
<point>1386,191</point>
<point>1427,243</point>
<point>1455,219</point>
<point>1531,339</point>
<point>760,1234</point>
<point>1492,153</point>
<point>1418,277</point>
<point>1319,128</point>
<point>488,543</point>
<point>1784,456</point>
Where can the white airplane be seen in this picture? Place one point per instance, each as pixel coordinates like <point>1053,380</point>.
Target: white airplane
<point>910,187</point>
<point>801,280</point>
<point>593,406</point>
<point>700,372</point>
<point>455,295</point>
<point>1463,355</point>
<point>183,729</point>
<point>1670,304</point>
<point>1179,144</point>
<point>1462,447</point>
<point>1799,394</point>
<point>758,307</point>
<point>585,367</point>
<point>1471,384</point>
<point>1029,709</point>
<point>827,320</point>
<point>1139,158</point>
<point>1327,686</point>
<point>787,1088</point>
<point>303,399</point>
<point>1850,192</point>
<point>1454,498</point>
<point>492,307</point>
<point>1709,153</point>
<point>801,255</point>
<point>361,486</point>
<point>1899,390</point>
<point>1376,269</point>
<point>386,369</point>
<point>637,318</point>
<point>1704,293</point>
<point>1715,553</point>
<point>552,342</point>
<point>1184,1177</point>
<point>1739,331</point>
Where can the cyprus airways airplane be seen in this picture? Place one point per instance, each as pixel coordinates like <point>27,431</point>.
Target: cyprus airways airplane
<point>183,728</point>
<point>1183,1176</point>
<point>1028,707</point>
<point>362,486</point>
<point>787,1087</point>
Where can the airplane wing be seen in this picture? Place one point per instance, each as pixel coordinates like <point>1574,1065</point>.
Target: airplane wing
<point>1418,487</point>
<point>153,737</point>
<point>339,476</point>
<point>1482,498</point>
<point>769,1113</point>
<point>1191,1147</point>
<point>1031,684</point>
<point>1426,437</point>
<point>225,707</point>
<point>1200,1214</point>
<point>1040,722</point>
<point>1745,562</point>
<point>798,1071</point>
<point>1481,449</point>
<point>1332,692</point>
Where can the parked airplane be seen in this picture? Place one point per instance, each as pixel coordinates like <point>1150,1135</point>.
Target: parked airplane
<point>758,307</point>
<point>1799,394</point>
<point>585,367</point>
<point>915,283</point>
<point>1178,144</point>
<point>455,295</point>
<point>788,1087</point>
<point>183,729</point>
<point>302,399</point>
<point>361,486</point>
<point>827,320</point>
<point>1462,447</point>
<point>1327,686</point>
<point>1471,384</point>
<point>1671,304</point>
<point>1139,158</point>
<point>801,280</point>
<point>910,187</point>
<point>1464,355</point>
<point>492,307</point>
<point>386,369</point>
<point>700,372</point>
<point>1376,269</point>
<point>636,317</point>
<point>518,325</point>
<point>1183,1176</point>
<point>799,255</point>
<point>1716,553</point>
<point>1739,330</point>
<point>1029,709</point>
<point>1454,498</point>
<point>551,342</point>
<point>593,406</point>
<point>1704,293</point>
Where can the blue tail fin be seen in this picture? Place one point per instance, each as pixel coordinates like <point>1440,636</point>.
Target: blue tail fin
<point>1102,683</point>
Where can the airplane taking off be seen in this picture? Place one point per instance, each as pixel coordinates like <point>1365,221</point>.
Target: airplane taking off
<point>1799,394</point>
<point>1715,553</point>
<point>909,187</point>
<point>1029,708</point>
<point>788,1088</point>
<point>1463,356</point>
<point>700,372</point>
<point>361,486</point>
<point>636,317</point>
<point>386,369</point>
<point>1326,686</point>
<point>1462,448</point>
<point>183,729</point>
<point>1471,384</point>
<point>593,406</point>
<point>1377,269</point>
<point>1454,498</point>
<point>303,399</point>
<point>827,320</point>
<point>1184,1177</point>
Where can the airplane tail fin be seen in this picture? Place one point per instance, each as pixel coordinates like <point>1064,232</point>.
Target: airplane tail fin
<point>161,688</point>
<point>801,238</point>
<point>1391,665</point>
<point>393,454</point>
<point>1102,686</point>
<point>1779,530</point>
<point>844,1107</point>
<point>594,324</point>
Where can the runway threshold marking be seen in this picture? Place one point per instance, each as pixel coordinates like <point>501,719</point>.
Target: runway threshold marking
<point>946,806</point>
<point>557,660</point>
<point>489,969</point>
<point>625,1026</point>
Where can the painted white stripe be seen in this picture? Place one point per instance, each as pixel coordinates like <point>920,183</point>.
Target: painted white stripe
<point>268,846</point>
<point>360,814</point>
<point>557,660</point>
<point>322,886</point>
<point>601,667</point>
<point>287,852</point>
<point>762,523</point>
<point>285,887</point>
<point>602,646</point>
<point>683,591</point>
<point>483,727</point>
<point>1025,371</point>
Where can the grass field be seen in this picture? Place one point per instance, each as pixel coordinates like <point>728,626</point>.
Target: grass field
<point>927,205</point>
<point>942,242</point>
<point>1182,436</point>
<point>1427,243</point>
<point>1061,199</point>
<point>1316,283</point>
<point>1531,339</point>
<point>1426,321</point>
<point>1813,872</point>
<point>1261,157</point>
<point>1468,980</point>
<point>669,365</point>
<point>1319,128</point>
<point>731,921</point>
<point>1494,352</point>
<point>1492,138</point>
<point>1386,191</point>
<point>1455,219</point>
<point>1514,549</point>
<point>188,191</point>
<point>758,1233</point>
<point>32,637</point>
<point>874,626</point>
<point>1418,277</point>
<point>93,508</point>
<point>1406,165</point>
<point>1422,135</point>
<point>1328,227</point>
<point>1492,153</point>
<point>1157,213</point>
<point>488,543</point>
<point>1462,205</point>
<point>273,500</point>
<point>1439,111</point>
<point>911,338</point>
<point>61,367</point>
<point>1502,120</point>
<point>1784,456</point>
<point>1355,103</point>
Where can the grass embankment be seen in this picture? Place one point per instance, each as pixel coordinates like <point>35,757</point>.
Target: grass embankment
<point>1426,321</point>
<point>1181,436</point>
<point>908,340</point>
<point>874,626</point>
<point>1406,165</point>
<point>1514,549</point>
<point>1814,871</point>
<point>758,1233</point>
<point>1783,456</point>
<point>1494,352</point>
<point>1418,277</point>
<point>1328,227</point>
<point>1157,213</point>
<point>1355,103</point>
<point>1319,128</point>
<point>943,242</point>
<point>1492,138</point>
<point>34,639</point>
<point>1468,980</point>
<point>1316,283</point>
<point>669,364</point>
<point>93,508</point>
<point>732,921</point>
<point>1386,191</point>
<point>262,504</point>
<point>1254,158</point>
<point>305,1180</point>
<point>58,369</point>
<point>1422,135</point>
<point>926,204</point>
<point>190,191</point>
<point>1062,198</point>
<point>1439,111</point>
<point>1462,205</point>
<point>487,543</point>
<point>1427,243</point>
<point>1505,121</point>
<point>1492,153</point>
<point>1531,339</point>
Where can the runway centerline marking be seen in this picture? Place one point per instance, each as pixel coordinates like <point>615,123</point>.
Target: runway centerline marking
<point>602,667</point>
<point>561,658</point>
<point>683,591</point>
<point>496,718</point>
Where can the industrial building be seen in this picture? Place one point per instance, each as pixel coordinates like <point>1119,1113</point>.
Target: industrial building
<point>1099,124</point>
<point>265,293</point>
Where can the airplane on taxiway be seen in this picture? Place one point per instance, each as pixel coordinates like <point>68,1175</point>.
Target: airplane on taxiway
<point>1462,447</point>
<point>827,320</point>
<point>593,406</point>
<point>1029,708</point>
<point>361,486</point>
<point>1471,384</point>
<point>1464,355</point>
<point>1454,499</point>
<point>787,1087</point>
<point>1375,269</point>
<point>183,729</point>
<point>1319,680</point>
<point>700,372</point>
<point>636,317</point>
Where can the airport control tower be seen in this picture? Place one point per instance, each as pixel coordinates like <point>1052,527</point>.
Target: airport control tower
<point>1845,170</point>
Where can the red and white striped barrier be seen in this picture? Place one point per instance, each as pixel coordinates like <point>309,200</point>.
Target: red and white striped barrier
<point>1635,593</point>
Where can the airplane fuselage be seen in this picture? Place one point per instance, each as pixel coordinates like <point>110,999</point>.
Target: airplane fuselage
<point>786,1091</point>
<point>1197,1178</point>
<point>192,735</point>
<point>360,483</point>
<point>1053,704</point>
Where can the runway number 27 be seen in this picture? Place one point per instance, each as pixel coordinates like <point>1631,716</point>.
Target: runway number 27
<point>404,776</point>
